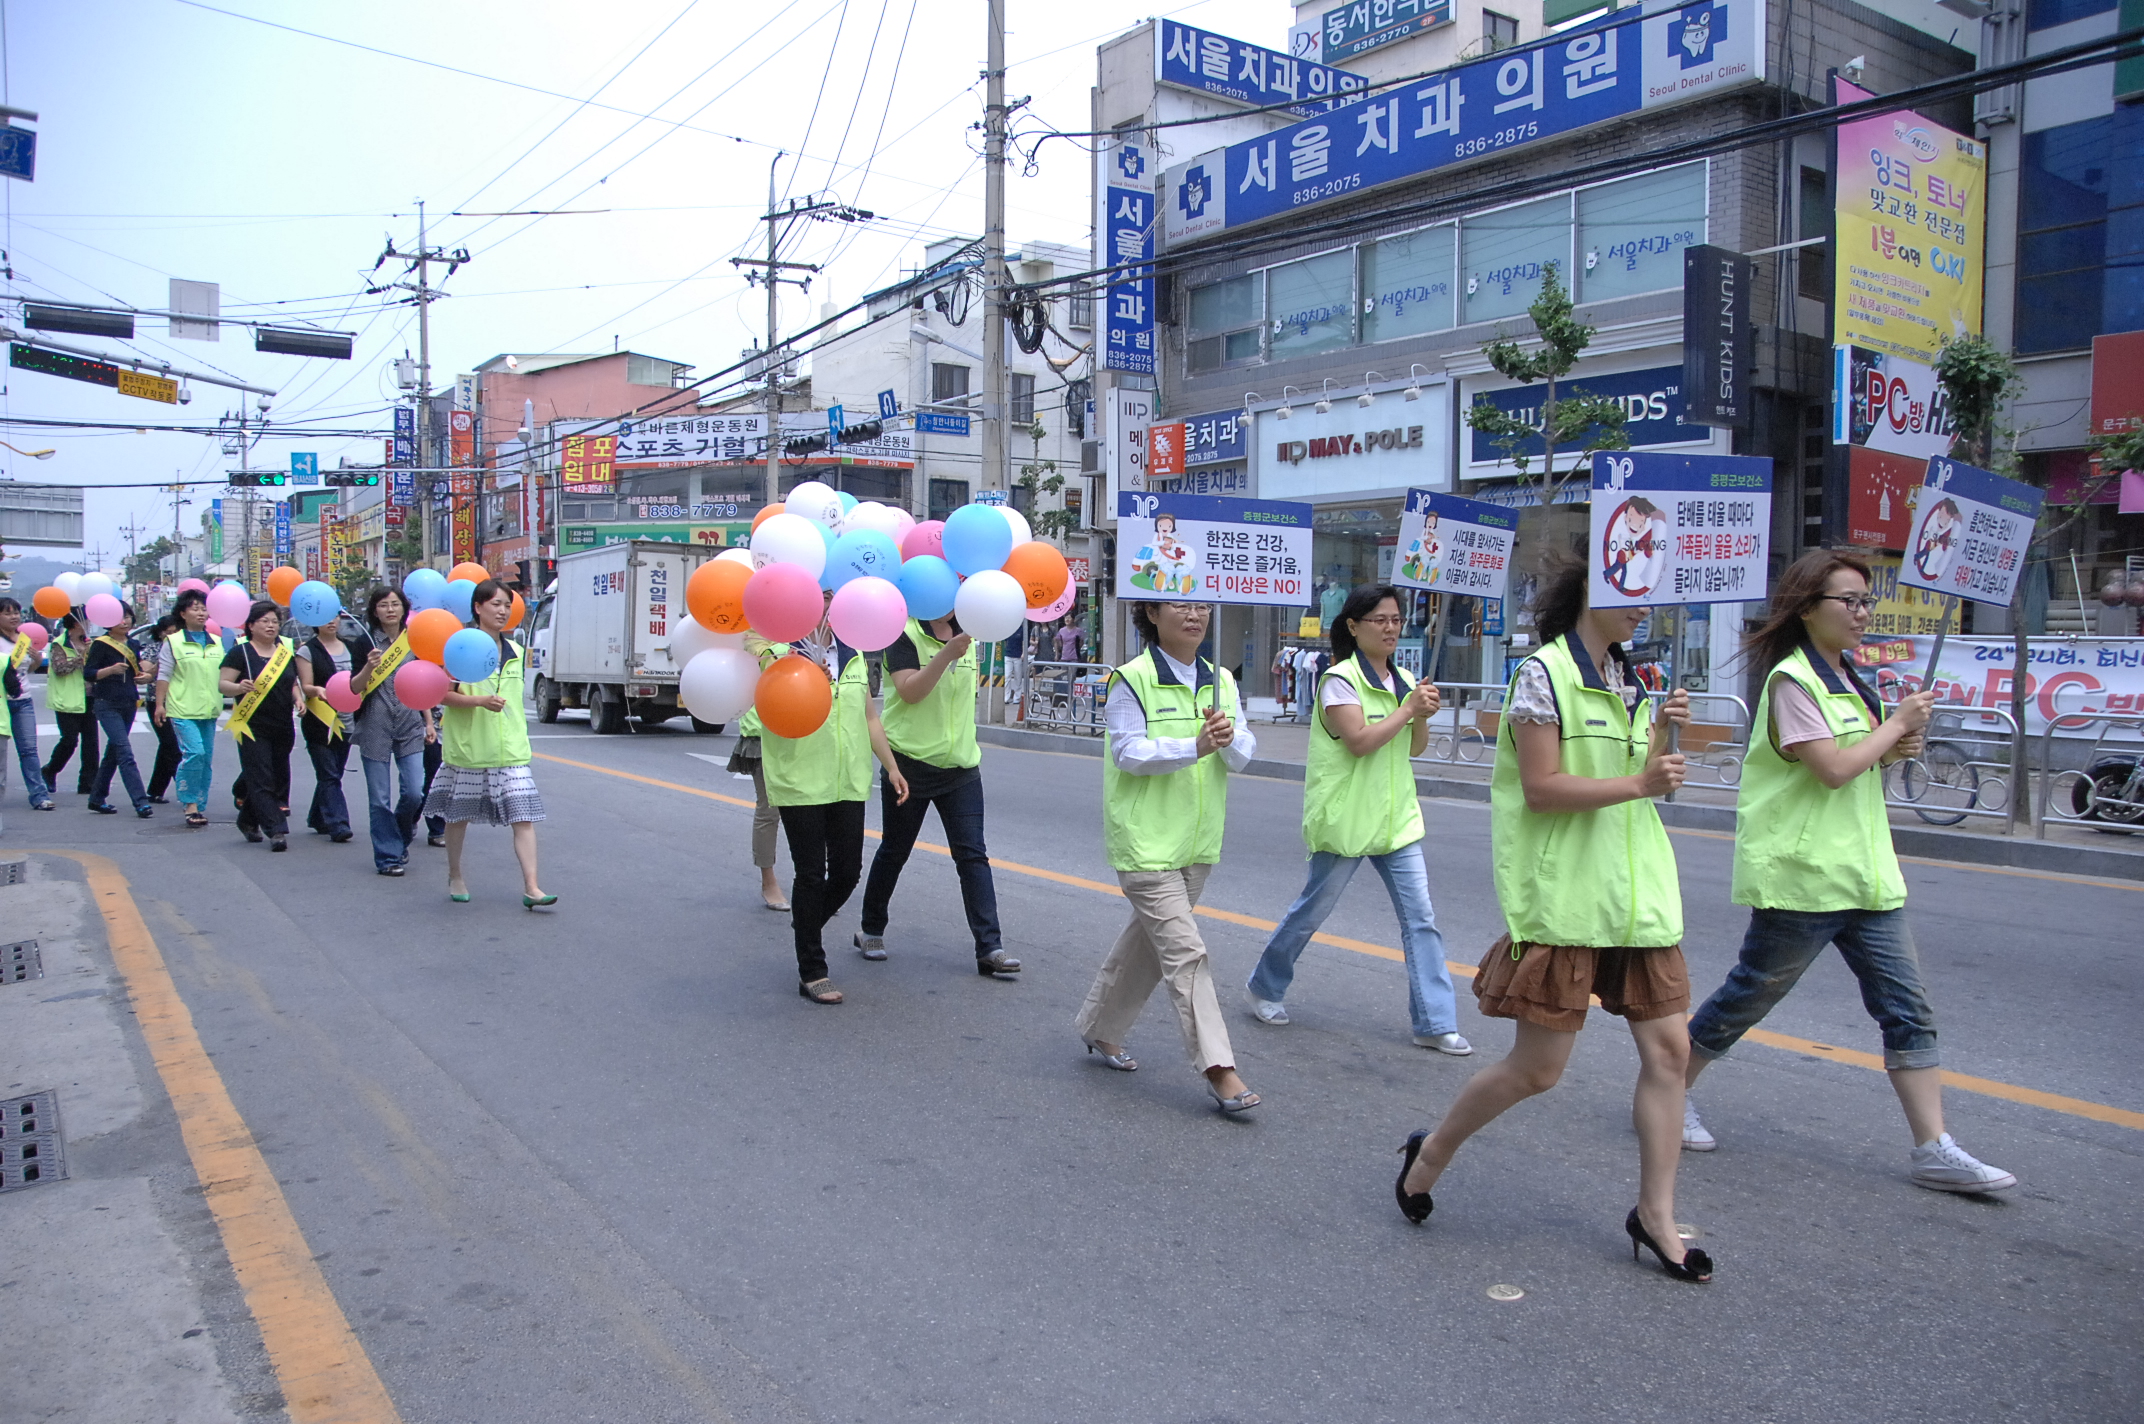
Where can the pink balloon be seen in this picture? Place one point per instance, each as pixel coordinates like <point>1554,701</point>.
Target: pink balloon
<point>782,602</point>
<point>868,614</point>
<point>1060,608</point>
<point>211,627</point>
<point>421,684</point>
<point>228,604</point>
<point>185,584</point>
<point>926,538</point>
<point>37,635</point>
<point>338,694</point>
<point>104,610</point>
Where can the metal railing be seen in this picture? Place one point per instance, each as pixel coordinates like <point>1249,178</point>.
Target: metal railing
<point>1463,733</point>
<point>1963,770</point>
<point>1063,697</point>
<point>2114,798</point>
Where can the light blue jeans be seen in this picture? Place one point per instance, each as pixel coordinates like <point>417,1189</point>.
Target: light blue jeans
<point>1430,1001</point>
<point>197,755</point>
<point>394,821</point>
<point>1877,946</point>
<point>22,721</point>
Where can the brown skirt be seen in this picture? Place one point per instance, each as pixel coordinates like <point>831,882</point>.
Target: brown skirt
<point>1552,984</point>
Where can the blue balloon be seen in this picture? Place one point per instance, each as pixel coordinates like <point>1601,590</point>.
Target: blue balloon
<point>424,588</point>
<point>472,655</point>
<point>862,553</point>
<point>460,600</point>
<point>930,586</point>
<point>977,537</point>
<point>848,501</point>
<point>826,573</point>
<point>315,602</point>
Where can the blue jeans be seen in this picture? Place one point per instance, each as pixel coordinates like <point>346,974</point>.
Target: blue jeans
<point>394,821</point>
<point>117,723</point>
<point>22,720</point>
<point>330,811</point>
<point>1430,1001</point>
<point>1877,947</point>
<point>960,814</point>
<point>197,755</point>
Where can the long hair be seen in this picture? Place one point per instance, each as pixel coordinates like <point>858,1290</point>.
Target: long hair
<point>1360,604</point>
<point>372,606</point>
<point>1797,592</point>
<point>1559,596</point>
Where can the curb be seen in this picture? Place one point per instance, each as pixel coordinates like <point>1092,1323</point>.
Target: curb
<point>1927,843</point>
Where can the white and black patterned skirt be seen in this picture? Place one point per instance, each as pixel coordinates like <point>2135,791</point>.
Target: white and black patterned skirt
<point>494,795</point>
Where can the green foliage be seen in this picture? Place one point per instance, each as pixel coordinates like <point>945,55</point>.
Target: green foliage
<point>1979,381</point>
<point>1040,477</point>
<point>148,565</point>
<point>1590,422</point>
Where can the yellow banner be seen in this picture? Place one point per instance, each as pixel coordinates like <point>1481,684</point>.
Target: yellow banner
<point>242,714</point>
<point>156,388</point>
<point>397,653</point>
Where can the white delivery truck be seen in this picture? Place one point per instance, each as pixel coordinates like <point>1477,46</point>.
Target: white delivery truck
<point>600,637</point>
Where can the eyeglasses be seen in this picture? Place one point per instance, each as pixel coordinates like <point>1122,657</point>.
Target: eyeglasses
<point>1862,602</point>
<point>1189,610</point>
<point>1388,621</point>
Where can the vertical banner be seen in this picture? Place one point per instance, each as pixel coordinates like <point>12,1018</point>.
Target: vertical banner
<point>465,531</point>
<point>461,433</point>
<point>1970,532</point>
<point>282,532</point>
<point>403,450</point>
<point>1449,544</point>
<point>1124,454</point>
<point>215,531</point>
<point>1199,549</point>
<point>1124,180</point>
<point>1672,529</point>
<point>1719,342</point>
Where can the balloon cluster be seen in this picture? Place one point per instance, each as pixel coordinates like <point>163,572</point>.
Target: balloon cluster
<point>981,564</point>
<point>445,648</point>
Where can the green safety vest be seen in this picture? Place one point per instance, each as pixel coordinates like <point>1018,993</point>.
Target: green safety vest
<point>195,691</point>
<point>1799,845</point>
<point>472,737</point>
<point>939,730</point>
<point>1361,805</point>
<point>833,763</point>
<point>748,725</point>
<point>1174,819</point>
<point>64,691</point>
<point>1606,878</point>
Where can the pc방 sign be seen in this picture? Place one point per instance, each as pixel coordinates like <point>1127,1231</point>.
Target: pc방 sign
<point>1673,529</point>
<point>1970,532</point>
<point>1452,545</point>
<point>1197,549</point>
<point>1888,402</point>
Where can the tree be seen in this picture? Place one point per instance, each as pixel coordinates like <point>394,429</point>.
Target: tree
<point>1590,422</point>
<point>1040,477</point>
<point>148,565</point>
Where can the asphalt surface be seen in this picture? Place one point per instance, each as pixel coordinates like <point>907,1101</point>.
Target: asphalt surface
<point>604,1163</point>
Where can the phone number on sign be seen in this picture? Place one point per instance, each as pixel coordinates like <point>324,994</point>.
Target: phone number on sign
<point>1518,133</point>
<point>1326,190</point>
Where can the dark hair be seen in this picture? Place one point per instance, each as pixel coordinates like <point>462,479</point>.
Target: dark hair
<point>188,599</point>
<point>9,605</point>
<point>69,622</point>
<point>253,615</point>
<point>1143,620</point>
<point>1640,504</point>
<point>1559,596</point>
<point>1361,604</point>
<point>1798,589</point>
<point>486,591</point>
<point>372,605</point>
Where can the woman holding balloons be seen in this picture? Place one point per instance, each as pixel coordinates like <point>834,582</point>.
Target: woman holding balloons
<point>261,671</point>
<point>327,734</point>
<point>114,675</point>
<point>485,770</point>
<point>189,695</point>
<point>67,696</point>
<point>391,736</point>
<point>20,653</point>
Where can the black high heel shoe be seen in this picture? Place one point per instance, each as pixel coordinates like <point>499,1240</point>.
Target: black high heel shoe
<point>1694,1267</point>
<point>1415,1206</point>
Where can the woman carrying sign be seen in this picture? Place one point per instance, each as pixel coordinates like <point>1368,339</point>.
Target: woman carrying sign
<point>262,673</point>
<point>113,673</point>
<point>189,695</point>
<point>1592,903</point>
<point>484,771</point>
<point>391,739</point>
<point>1813,856</point>
<point>327,737</point>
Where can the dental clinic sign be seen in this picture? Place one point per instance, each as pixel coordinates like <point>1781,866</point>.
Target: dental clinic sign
<point>1571,81</point>
<point>1125,224</point>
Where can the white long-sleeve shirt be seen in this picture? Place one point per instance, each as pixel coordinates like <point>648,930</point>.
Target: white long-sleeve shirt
<point>1138,754</point>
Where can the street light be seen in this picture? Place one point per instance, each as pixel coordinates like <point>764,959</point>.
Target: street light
<point>31,454</point>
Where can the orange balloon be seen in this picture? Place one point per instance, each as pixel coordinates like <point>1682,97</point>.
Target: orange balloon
<point>520,611</point>
<point>1041,572</point>
<point>282,583</point>
<point>715,595</point>
<point>793,697</point>
<point>429,629</point>
<point>475,573</point>
<point>763,516</point>
<point>51,601</point>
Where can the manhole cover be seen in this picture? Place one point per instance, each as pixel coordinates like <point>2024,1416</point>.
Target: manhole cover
<point>1506,1293</point>
<point>14,872</point>
<point>30,1141</point>
<point>20,961</point>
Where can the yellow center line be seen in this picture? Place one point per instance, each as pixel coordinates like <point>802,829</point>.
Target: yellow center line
<point>1988,1087</point>
<point>325,1375</point>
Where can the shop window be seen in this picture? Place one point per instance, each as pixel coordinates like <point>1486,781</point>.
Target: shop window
<point>1497,32</point>
<point>1632,233</point>
<point>949,383</point>
<point>1311,305</point>
<point>2080,233</point>
<point>1023,399</point>
<point>1812,264</point>
<point>947,496</point>
<point>1507,251</point>
<point>1079,308</point>
<point>1224,323</point>
<point>1407,284</point>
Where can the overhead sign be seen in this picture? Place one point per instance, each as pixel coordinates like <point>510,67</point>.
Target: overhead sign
<point>304,467</point>
<point>1719,340</point>
<point>588,464</point>
<point>1673,529</point>
<point>1207,63</point>
<point>1359,27</point>
<point>1126,222</point>
<point>741,439</point>
<point>1198,549</point>
<point>1910,229</point>
<point>888,406</point>
<point>143,386</point>
<point>18,153</point>
<point>1888,402</point>
<point>1478,110</point>
<point>933,422</point>
<point>1454,545</point>
<point>95,373</point>
<point>1970,532</point>
<point>404,449</point>
<point>1124,443</point>
<point>1653,412</point>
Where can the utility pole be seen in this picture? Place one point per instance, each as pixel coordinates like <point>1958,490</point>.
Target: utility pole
<point>178,540</point>
<point>420,262</point>
<point>994,123</point>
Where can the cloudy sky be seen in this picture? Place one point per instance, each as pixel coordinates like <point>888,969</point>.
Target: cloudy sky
<point>225,141</point>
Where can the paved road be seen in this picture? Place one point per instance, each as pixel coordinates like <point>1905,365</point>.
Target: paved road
<point>605,1164</point>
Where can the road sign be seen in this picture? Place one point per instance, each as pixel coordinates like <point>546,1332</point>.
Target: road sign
<point>888,407</point>
<point>304,467</point>
<point>146,387</point>
<point>836,422</point>
<point>18,152</point>
<point>95,373</point>
<point>933,422</point>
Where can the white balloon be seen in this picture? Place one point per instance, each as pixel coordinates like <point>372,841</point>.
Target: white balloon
<point>816,502</point>
<point>1021,533</point>
<point>90,585</point>
<point>717,685</point>
<point>903,521</point>
<point>871,515</point>
<point>790,539</point>
<point>67,583</point>
<point>689,639</point>
<point>738,555</point>
<point>990,606</point>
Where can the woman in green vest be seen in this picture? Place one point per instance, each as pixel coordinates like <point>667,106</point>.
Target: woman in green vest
<point>1359,804</point>
<point>484,770</point>
<point>746,760</point>
<point>189,698</point>
<point>1592,905</point>
<point>1172,742</point>
<point>819,784</point>
<point>1813,856</point>
<point>68,697</point>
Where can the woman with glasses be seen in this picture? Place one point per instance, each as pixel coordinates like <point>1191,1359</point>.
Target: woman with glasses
<point>391,739</point>
<point>485,772</point>
<point>1359,804</point>
<point>1813,856</point>
<point>189,698</point>
<point>1173,740</point>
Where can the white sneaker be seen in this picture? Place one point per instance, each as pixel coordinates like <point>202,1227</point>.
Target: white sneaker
<point>1694,1136</point>
<point>1944,1166</point>
<point>1266,1011</point>
<point>1450,1043</point>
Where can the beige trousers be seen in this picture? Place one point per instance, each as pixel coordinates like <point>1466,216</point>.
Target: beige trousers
<point>766,820</point>
<point>1161,945</point>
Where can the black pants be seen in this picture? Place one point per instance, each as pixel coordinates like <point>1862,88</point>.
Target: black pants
<point>167,757</point>
<point>433,752</point>
<point>76,729</point>
<point>827,845</point>
<point>330,811</point>
<point>263,786</point>
<point>960,812</point>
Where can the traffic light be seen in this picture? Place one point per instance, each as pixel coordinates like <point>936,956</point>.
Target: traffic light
<point>346,479</point>
<point>859,434</point>
<point>256,479</point>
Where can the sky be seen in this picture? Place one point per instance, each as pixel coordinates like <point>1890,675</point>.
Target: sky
<point>191,140</point>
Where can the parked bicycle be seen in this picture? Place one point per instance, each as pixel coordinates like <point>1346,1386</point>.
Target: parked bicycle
<point>2110,793</point>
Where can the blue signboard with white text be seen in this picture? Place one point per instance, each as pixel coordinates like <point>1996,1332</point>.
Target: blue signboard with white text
<point>1624,65</point>
<point>1196,548</point>
<point>405,450</point>
<point>1127,227</point>
<point>1678,529</point>
<point>304,467</point>
<point>1652,411</point>
<point>931,422</point>
<point>282,533</point>
<point>1208,63</point>
<point>1363,25</point>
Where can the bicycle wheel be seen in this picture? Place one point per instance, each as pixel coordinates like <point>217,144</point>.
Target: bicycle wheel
<point>1941,782</point>
<point>2112,786</point>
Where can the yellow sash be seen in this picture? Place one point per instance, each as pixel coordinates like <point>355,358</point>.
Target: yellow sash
<point>397,653</point>
<point>119,645</point>
<point>329,717</point>
<point>21,652</point>
<point>242,714</point>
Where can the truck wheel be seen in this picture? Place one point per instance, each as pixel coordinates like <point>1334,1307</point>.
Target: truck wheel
<point>546,700</point>
<point>606,715</point>
<point>699,726</point>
